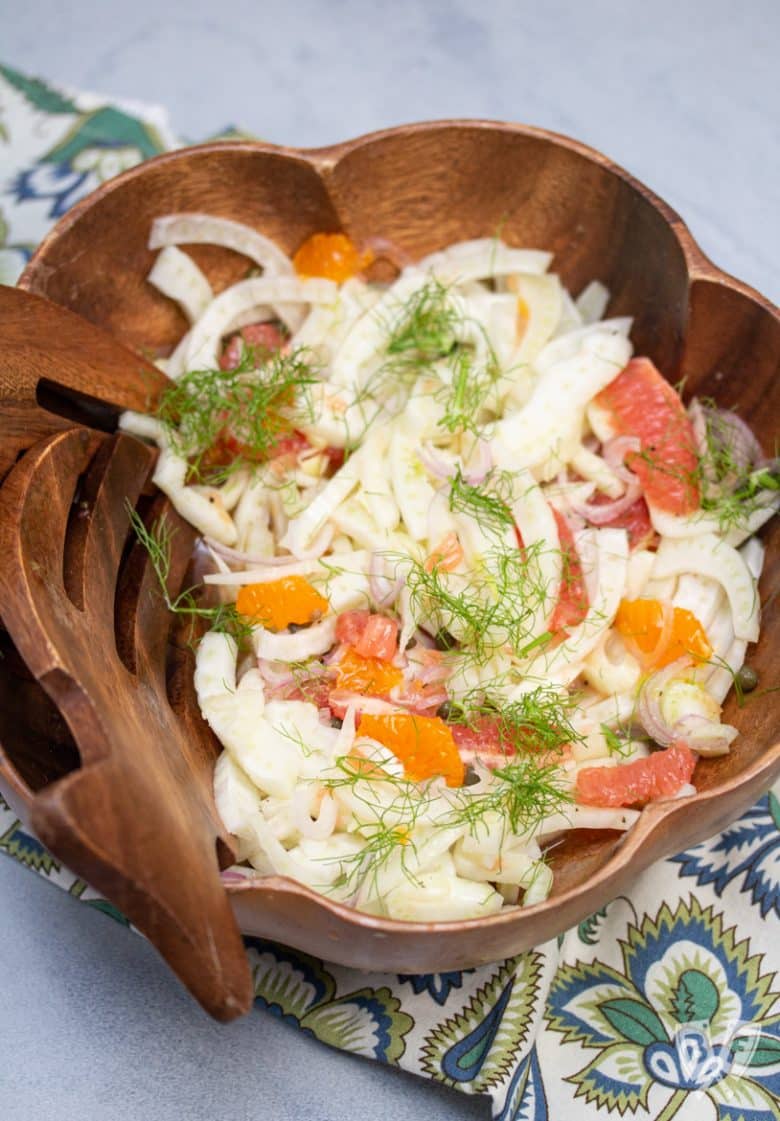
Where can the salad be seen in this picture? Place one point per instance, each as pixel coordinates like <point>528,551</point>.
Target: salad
<point>478,575</point>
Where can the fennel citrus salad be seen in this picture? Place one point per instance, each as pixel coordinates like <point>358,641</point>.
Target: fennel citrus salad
<point>478,575</point>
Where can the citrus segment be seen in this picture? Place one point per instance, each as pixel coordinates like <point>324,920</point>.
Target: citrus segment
<point>424,744</point>
<point>639,782</point>
<point>333,256</point>
<point>372,636</point>
<point>572,605</point>
<point>642,622</point>
<point>279,603</point>
<point>363,675</point>
<point>642,403</point>
<point>635,521</point>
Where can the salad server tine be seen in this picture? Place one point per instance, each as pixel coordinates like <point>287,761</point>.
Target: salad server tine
<point>124,797</point>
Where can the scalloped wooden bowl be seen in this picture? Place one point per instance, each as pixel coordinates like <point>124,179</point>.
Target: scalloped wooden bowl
<point>422,187</point>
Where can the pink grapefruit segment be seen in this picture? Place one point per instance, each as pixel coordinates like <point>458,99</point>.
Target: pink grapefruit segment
<point>643,404</point>
<point>635,784</point>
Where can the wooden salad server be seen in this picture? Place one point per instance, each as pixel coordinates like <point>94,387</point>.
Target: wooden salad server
<point>102,746</point>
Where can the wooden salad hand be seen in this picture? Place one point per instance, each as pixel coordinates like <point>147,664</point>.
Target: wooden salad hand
<point>83,609</point>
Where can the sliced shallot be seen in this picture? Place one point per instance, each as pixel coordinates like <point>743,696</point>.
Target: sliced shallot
<point>318,547</point>
<point>615,451</point>
<point>649,706</point>
<point>384,589</point>
<point>603,513</point>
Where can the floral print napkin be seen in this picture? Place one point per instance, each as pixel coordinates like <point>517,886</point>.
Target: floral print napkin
<point>664,1004</point>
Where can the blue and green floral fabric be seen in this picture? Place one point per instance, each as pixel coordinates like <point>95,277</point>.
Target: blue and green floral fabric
<point>662,1005</point>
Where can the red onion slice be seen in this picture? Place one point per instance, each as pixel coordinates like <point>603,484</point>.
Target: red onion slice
<point>698,421</point>
<point>277,679</point>
<point>649,704</point>
<point>442,468</point>
<point>707,737</point>
<point>417,701</point>
<point>601,514</point>
<point>478,471</point>
<point>384,589</point>
<point>736,435</point>
<point>343,698</point>
<point>318,546</point>
<point>334,656</point>
<point>425,668</point>
<point>720,430</point>
<point>236,876</point>
<point>432,461</point>
<point>615,451</point>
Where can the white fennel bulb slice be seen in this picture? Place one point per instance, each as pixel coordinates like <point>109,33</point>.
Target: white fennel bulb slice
<point>356,359</point>
<point>237,717</point>
<point>539,308</point>
<point>204,229</point>
<point>297,647</point>
<point>413,493</point>
<point>700,596</point>
<point>221,314</point>
<point>238,804</point>
<point>541,435</point>
<point>442,896</point>
<point>734,531</point>
<point>176,275</point>
<point>712,558</point>
<point>592,301</point>
<point>482,258</point>
<point>201,506</point>
<point>569,344</point>
<point>305,526</point>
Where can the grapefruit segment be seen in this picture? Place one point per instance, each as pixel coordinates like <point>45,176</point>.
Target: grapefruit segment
<point>635,520</point>
<point>572,605</point>
<point>635,784</point>
<point>642,403</point>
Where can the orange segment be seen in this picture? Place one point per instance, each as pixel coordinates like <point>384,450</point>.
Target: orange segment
<point>333,256</point>
<point>424,744</point>
<point>281,602</point>
<point>642,622</point>
<point>367,675</point>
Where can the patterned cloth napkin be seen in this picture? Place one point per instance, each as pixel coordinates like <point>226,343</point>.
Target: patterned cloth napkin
<point>662,1004</point>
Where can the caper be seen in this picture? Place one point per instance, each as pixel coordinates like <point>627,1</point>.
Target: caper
<point>445,710</point>
<point>747,679</point>
<point>470,778</point>
<point>335,722</point>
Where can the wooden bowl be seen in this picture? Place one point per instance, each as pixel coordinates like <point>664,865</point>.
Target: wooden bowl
<point>422,187</point>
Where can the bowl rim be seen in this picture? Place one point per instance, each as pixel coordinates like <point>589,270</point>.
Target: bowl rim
<point>639,846</point>
<point>324,159</point>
